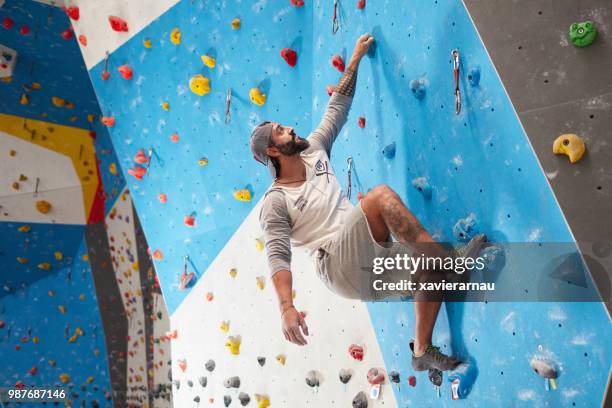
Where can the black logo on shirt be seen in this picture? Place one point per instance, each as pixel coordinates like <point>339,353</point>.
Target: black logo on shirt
<point>322,168</point>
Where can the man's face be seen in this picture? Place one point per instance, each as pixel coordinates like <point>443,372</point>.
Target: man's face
<point>286,141</point>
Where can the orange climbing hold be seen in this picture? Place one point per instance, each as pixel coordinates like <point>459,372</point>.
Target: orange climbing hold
<point>209,296</point>
<point>338,62</point>
<point>24,228</point>
<point>236,24</point>
<point>108,121</point>
<point>158,256</point>
<point>174,138</point>
<point>64,378</point>
<point>43,206</point>
<point>22,260</point>
<point>83,40</point>
<point>126,72</point>
<point>141,157</point>
<point>45,266</point>
<point>175,36</point>
<point>163,198</point>
<point>118,24</point>
<point>137,172</point>
<point>297,3</point>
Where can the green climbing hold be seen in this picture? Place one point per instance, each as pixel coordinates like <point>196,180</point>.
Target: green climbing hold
<point>582,34</point>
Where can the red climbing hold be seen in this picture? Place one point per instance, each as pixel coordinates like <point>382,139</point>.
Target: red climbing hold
<point>290,56</point>
<point>141,157</point>
<point>137,172</point>
<point>24,30</point>
<point>19,385</point>
<point>126,72</point>
<point>33,370</point>
<point>118,24</point>
<point>376,376</point>
<point>297,3</point>
<point>189,220</point>
<point>108,121</point>
<point>356,351</point>
<point>330,90</point>
<point>7,23</point>
<point>2,324</point>
<point>72,12</point>
<point>105,75</point>
<point>338,63</point>
<point>361,4</point>
<point>412,381</point>
<point>361,122</point>
<point>67,34</point>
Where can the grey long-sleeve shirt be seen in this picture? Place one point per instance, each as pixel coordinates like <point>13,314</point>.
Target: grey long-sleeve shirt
<point>307,215</point>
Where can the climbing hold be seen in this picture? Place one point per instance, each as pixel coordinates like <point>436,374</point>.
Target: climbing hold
<point>244,399</point>
<point>163,198</point>
<point>51,363</point>
<point>356,351</point>
<point>15,185</point>
<point>203,381</point>
<point>58,255</point>
<point>361,4</point>
<point>209,61</point>
<point>118,24</point>
<point>422,185</point>
<point>338,63</point>
<point>175,36</point>
<point>209,296</point>
<point>24,100</point>
<point>105,74</point>
<point>189,220</point>
<point>259,244</point>
<point>199,85</point>
<point>461,378</point>
<point>108,121</point>
<point>261,282</point>
<point>45,266</point>
<point>236,24</point>
<point>33,371</point>
<point>582,34</point>
<point>182,365</point>
<point>137,172</point>
<point>376,376</point>
<point>24,228</point>
<point>72,12</point>
<point>67,34</point>
<point>435,376</point>
<point>24,30</point>
<point>210,365</point>
<point>58,102</point>
<point>465,228</point>
<point>474,76</point>
<point>394,376</point>
<point>297,3</point>
<point>224,326</point>
<point>203,161</point>
<point>147,43</point>
<point>233,345</point>
<point>196,399</point>
<point>290,56</point>
<point>418,86</point>
<point>570,145</point>
<point>360,400</point>
<point>7,23</point>
<point>244,195</point>
<point>389,151</point>
<point>43,206</point>
<point>262,401</point>
<point>233,272</point>
<point>22,260</point>
<point>281,358</point>
<point>312,378</point>
<point>158,256</point>
<point>257,97</point>
<point>126,72</point>
<point>232,382</point>
<point>83,40</point>
<point>361,122</point>
<point>64,378</point>
<point>141,157</point>
<point>261,361</point>
<point>543,367</point>
<point>174,138</point>
<point>330,90</point>
<point>412,381</point>
<point>227,400</point>
<point>345,375</point>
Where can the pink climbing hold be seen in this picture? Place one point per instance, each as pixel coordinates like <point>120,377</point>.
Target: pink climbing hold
<point>72,12</point>
<point>356,351</point>
<point>330,90</point>
<point>376,376</point>
<point>67,34</point>
<point>141,157</point>
<point>412,381</point>
<point>361,122</point>
<point>361,4</point>
<point>126,72</point>
<point>137,172</point>
<point>338,63</point>
<point>290,56</point>
<point>297,3</point>
<point>108,121</point>
<point>118,24</point>
<point>7,23</point>
<point>24,30</point>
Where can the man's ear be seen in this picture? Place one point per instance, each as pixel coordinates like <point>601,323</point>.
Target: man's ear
<point>272,151</point>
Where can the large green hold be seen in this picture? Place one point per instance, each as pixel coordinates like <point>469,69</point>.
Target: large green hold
<point>582,34</point>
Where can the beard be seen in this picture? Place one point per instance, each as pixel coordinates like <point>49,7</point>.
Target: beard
<point>294,146</point>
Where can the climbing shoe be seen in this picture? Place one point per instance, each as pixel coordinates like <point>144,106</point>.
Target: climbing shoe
<point>432,358</point>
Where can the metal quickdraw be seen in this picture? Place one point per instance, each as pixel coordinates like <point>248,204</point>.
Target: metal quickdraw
<point>228,101</point>
<point>455,56</point>
<point>335,22</point>
<point>349,161</point>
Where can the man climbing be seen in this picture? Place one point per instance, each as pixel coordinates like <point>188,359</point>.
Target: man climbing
<point>307,207</point>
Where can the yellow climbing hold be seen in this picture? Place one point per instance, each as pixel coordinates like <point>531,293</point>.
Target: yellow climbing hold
<point>236,24</point>
<point>51,363</point>
<point>261,282</point>
<point>45,266</point>
<point>147,43</point>
<point>85,258</point>
<point>72,338</point>
<point>91,118</point>
<point>62,309</point>
<point>64,378</point>
<point>257,97</point>
<point>166,106</point>
<point>15,185</point>
<point>82,296</point>
<point>233,345</point>
<point>263,401</point>
<point>22,260</point>
<point>43,206</point>
<point>203,161</point>
<point>59,102</point>
<point>90,379</point>
<point>281,358</point>
<point>175,36</point>
<point>58,255</point>
<point>259,244</point>
<point>78,331</point>
<point>243,195</point>
<point>112,168</point>
<point>23,177</point>
<point>24,228</point>
<point>35,339</point>
<point>199,85</point>
<point>233,272</point>
<point>209,61</point>
<point>25,99</point>
<point>224,326</point>
<point>35,86</point>
<point>570,145</point>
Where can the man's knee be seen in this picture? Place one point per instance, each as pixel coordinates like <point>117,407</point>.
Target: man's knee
<point>383,193</point>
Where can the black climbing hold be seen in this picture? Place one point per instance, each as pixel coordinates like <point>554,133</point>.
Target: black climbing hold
<point>435,376</point>
<point>345,376</point>
<point>210,365</point>
<point>196,399</point>
<point>394,376</point>
<point>232,382</point>
<point>312,379</point>
<point>190,383</point>
<point>177,384</point>
<point>360,400</point>
<point>227,400</point>
<point>244,399</point>
<point>169,374</point>
<point>261,361</point>
<point>203,381</point>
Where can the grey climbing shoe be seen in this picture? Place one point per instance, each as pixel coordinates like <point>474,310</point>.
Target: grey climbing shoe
<point>471,249</point>
<point>432,359</point>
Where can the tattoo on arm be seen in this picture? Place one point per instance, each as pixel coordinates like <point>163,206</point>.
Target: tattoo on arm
<point>347,83</point>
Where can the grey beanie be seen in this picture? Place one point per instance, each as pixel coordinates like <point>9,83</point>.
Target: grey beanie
<point>260,141</point>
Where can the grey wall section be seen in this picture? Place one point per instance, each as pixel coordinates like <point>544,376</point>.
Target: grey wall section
<point>558,88</point>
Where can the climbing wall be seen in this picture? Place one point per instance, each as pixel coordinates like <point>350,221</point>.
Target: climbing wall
<point>184,150</point>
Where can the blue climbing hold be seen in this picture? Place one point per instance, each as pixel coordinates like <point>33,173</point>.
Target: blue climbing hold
<point>418,88</point>
<point>462,378</point>
<point>494,258</point>
<point>422,185</point>
<point>474,76</point>
<point>465,228</point>
<point>389,151</point>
